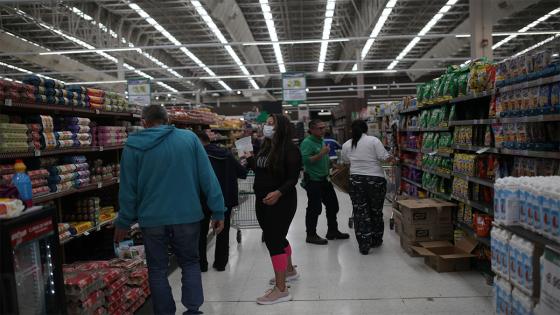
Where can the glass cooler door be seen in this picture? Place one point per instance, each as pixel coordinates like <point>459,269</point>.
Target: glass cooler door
<point>33,271</point>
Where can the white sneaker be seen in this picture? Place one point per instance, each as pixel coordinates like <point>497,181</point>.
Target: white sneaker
<point>290,277</point>
<point>273,296</point>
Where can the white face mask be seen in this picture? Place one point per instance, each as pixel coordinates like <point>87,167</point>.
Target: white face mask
<point>268,131</point>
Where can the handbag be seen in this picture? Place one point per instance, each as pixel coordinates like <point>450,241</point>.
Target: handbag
<point>340,178</point>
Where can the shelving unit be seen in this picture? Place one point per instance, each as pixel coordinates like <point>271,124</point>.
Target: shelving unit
<point>96,228</point>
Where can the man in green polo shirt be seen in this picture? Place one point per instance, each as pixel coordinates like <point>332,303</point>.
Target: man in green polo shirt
<point>316,163</point>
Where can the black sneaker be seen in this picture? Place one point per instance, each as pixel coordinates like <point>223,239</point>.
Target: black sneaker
<point>337,235</point>
<point>193,312</point>
<point>364,251</point>
<point>316,239</point>
<point>219,267</point>
<point>376,244</point>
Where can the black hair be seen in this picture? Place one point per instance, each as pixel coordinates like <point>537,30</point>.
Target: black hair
<point>275,149</point>
<point>359,127</point>
<point>313,123</point>
<point>203,136</point>
<point>155,114</point>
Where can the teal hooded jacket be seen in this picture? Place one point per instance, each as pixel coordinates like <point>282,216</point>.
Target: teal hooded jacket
<point>165,172</point>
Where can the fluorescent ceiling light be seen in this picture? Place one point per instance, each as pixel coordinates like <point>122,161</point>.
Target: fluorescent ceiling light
<point>526,28</point>
<point>82,51</point>
<point>24,71</point>
<point>265,7</point>
<point>98,82</point>
<point>539,44</point>
<point>376,30</point>
<point>422,32</point>
<point>364,71</point>
<point>293,42</point>
<point>210,23</point>
<point>86,45</point>
<point>174,40</point>
<point>329,13</point>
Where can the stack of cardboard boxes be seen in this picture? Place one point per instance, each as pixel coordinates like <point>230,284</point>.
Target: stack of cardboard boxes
<point>426,229</point>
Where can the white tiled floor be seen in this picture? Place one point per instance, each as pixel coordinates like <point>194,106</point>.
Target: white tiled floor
<point>337,279</point>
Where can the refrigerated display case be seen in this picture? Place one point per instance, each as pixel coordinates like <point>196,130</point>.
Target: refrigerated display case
<point>31,279</point>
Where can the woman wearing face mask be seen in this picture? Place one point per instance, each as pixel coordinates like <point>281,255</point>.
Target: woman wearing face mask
<point>277,168</point>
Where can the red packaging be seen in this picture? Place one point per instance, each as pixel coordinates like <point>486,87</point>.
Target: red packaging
<point>109,275</point>
<point>482,225</point>
<point>126,264</point>
<point>95,92</point>
<point>92,265</point>
<point>116,285</point>
<point>138,276</point>
<point>133,294</point>
<point>116,296</point>
<point>13,95</point>
<point>27,98</point>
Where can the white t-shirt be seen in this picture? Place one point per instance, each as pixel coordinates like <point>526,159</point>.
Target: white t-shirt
<point>366,157</point>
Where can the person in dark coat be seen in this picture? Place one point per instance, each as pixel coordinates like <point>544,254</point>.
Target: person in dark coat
<point>228,170</point>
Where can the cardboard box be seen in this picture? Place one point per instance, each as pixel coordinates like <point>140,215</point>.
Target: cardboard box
<point>550,286</point>
<point>426,211</point>
<point>428,232</point>
<point>446,257</point>
<point>407,245</point>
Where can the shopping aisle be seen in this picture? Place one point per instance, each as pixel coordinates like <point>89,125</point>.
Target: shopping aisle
<point>337,279</point>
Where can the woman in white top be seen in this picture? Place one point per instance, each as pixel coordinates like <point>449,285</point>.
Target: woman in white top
<point>368,185</point>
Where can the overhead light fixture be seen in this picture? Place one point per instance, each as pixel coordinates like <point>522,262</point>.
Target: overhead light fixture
<point>83,51</point>
<point>329,13</point>
<point>214,28</point>
<point>537,45</point>
<point>174,40</point>
<point>265,7</point>
<point>375,87</point>
<point>24,71</point>
<point>363,72</point>
<point>168,95</point>
<point>555,55</point>
<point>299,41</point>
<point>306,89</point>
<point>448,5</point>
<point>323,113</point>
<point>376,30</point>
<point>98,82</point>
<point>238,92</point>
<point>527,27</point>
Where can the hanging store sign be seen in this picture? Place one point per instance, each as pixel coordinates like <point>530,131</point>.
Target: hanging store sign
<point>294,87</point>
<point>139,92</point>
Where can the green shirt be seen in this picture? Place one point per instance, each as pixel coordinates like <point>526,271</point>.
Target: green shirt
<point>317,170</point>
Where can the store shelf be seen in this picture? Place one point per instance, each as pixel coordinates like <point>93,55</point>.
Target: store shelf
<point>96,228</point>
<point>529,235</point>
<point>412,182</point>
<point>411,130</point>
<point>436,172</point>
<point>217,139</point>
<point>412,166</point>
<point>434,129</point>
<point>438,194</point>
<point>473,148</point>
<point>436,152</point>
<point>532,83</point>
<point>410,110</point>
<point>37,153</point>
<point>472,122</point>
<point>477,180</point>
<point>58,109</point>
<point>479,206</point>
<point>411,150</point>
<point>472,97</point>
<point>465,227</point>
<point>527,153</point>
<point>528,119</point>
<point>188,122</point>
<point>433,105</point>
<point>56,195</point>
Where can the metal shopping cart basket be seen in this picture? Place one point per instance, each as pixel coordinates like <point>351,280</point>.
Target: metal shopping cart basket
<point>244,216</point>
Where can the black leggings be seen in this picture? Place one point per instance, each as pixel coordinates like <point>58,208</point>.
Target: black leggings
<point>275,220</point>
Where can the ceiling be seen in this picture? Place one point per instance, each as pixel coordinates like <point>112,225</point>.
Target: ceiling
<point>225,45</point>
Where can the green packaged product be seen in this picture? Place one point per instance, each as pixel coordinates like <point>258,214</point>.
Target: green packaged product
<point>462,82</point>
<point>420,93</point>
<point>452,114</point>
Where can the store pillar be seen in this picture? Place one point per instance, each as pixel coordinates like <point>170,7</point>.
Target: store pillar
<point>481,28</point>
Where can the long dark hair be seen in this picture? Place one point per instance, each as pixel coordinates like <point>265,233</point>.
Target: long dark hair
<point>275,149</point>
<point>359,127</point>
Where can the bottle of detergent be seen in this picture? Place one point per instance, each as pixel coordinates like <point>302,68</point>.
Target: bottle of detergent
<point>23,183</point>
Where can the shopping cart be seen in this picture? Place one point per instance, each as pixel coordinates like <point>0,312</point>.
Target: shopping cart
<point>244,215</point>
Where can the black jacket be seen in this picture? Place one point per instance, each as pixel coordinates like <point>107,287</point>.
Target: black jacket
<point>228,170</point>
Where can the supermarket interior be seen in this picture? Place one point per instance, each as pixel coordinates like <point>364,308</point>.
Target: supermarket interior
<point>457,199</point>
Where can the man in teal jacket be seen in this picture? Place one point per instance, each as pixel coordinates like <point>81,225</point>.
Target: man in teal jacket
<point>165,171</point>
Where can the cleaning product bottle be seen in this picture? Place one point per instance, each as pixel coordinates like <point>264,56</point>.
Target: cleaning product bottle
<point>23,183</point>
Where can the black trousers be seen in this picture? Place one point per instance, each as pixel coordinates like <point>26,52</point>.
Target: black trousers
<point>222,241</point>
<point>368,196</point>
<point>319,193</point>
<point>275,220</point>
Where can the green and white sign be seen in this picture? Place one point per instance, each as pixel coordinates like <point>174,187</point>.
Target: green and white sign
<point>139,92</point>
<point>294,87</point>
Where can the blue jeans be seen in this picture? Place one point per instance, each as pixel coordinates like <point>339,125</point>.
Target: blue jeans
<point>183,239</point>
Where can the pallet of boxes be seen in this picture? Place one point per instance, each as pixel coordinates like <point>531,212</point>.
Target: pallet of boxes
<point>425,227</point>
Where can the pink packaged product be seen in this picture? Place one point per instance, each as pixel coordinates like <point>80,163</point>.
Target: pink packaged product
<point>116,285</point>
<point>89,306</point>
<point>80,285</point>
<point>91,265</point>
<point>109,275</point>
<point>40,190</point>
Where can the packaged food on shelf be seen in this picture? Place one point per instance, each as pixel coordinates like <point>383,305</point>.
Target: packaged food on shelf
<point>482,224</point>
<point>482,75</point>
<point>10,208</point>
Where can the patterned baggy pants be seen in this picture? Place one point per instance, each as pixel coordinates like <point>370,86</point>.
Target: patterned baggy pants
<point>368,195</point>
